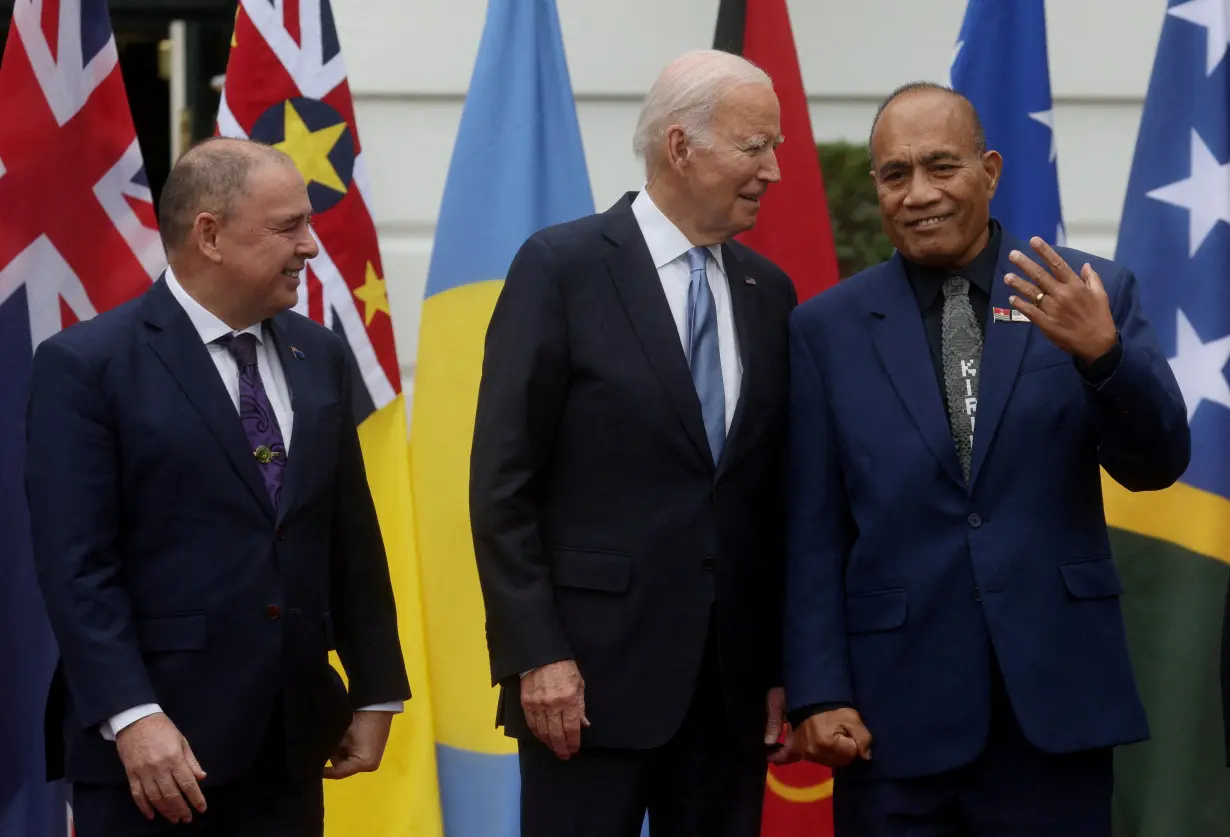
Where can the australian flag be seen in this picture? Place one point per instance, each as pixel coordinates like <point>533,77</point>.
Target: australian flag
<point>1000,64</point>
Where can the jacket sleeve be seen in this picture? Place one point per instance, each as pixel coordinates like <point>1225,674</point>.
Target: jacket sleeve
<point>1144,441</point>
<point>818,533</point>
<point>520,400</point>
<point>72,480</point>
<point>361,595</point>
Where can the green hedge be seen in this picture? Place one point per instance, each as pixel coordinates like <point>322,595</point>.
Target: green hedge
<point>853,210</point>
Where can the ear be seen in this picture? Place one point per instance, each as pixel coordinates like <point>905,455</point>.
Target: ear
<point>993,165</point>
<point>205,229</point>
<point>678,149</point>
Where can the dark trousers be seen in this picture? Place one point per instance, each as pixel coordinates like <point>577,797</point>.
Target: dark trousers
<point>1013,789</point>
<point>268,803</point>
<point>700,784</point>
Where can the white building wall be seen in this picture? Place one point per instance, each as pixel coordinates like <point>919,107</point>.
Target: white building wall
<point>410,63</point>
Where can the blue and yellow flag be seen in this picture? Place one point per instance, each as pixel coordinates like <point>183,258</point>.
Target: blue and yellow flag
<point>1000,64</point>
<point>517,167</point>
<point>1172,547</point>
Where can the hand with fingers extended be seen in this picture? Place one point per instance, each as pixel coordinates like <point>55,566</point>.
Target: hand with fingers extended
<point>162,771</point>
<point>834,738</point>
<point>553,698</point>
<point>1072,311</point>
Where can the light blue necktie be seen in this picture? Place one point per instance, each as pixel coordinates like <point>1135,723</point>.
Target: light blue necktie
<point>703,355</point>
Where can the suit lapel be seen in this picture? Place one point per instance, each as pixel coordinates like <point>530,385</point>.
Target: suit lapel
<point>901,342</point>
<point>636,281</point>
<point>1003,349</point>
<point>178,345</point>
<point>743,303</point>
<point>303,433</point>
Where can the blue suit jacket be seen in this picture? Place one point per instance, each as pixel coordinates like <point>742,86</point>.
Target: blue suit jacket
<point>168,574</point>
<point>900,579</point>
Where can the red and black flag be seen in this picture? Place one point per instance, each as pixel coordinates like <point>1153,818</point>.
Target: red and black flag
<point>793,231</point>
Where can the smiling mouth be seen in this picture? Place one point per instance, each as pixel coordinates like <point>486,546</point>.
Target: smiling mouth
<point>752,198</point>
<point>924,223</point>
<point>293,274</point>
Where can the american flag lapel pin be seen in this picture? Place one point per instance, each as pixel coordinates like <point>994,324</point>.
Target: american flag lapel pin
<point>749,280</point>
<point>297,353</point>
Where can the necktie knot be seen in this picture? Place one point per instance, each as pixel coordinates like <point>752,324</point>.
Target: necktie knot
<point>697,257</point>
<point>242,347</point>
<point>955,286</point>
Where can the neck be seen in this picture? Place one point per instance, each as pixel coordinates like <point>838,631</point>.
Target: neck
<point>673,203</point>
<point>212,296</point>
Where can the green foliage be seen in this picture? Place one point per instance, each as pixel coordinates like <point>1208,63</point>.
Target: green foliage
<point>853,209</point>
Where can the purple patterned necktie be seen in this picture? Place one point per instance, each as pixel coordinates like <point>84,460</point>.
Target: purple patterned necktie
<point>256,413</point>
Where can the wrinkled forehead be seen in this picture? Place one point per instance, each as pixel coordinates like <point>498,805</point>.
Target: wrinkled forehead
<point>276,189</point>
<point>921,124</point>
<point>749,109</point>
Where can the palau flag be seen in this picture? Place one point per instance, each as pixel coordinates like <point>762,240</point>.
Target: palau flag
<point>1172,546</point>
<point>517,166</point>
<point>1000,64</point>
<point>286,85</point>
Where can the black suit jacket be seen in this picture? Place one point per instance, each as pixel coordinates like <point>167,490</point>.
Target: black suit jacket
<point>168,574</point>
<point>603,530</point>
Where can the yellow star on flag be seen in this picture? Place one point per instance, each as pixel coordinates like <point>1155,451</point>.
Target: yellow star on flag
<point>373,295</point>
<point>310,149</point>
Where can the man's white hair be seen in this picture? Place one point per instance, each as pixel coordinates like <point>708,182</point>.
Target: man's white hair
<point>687,93</point>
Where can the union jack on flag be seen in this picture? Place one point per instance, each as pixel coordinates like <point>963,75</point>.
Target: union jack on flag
<point>77,236</point>
<point>286,85</point>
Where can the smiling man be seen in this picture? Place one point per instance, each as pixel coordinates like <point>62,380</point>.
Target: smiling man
<point>954,644</point>
<point>203,531</point>
<point>626,483</point>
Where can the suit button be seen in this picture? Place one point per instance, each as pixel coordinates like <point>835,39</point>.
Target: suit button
<point>975,520</point>
<point>709,564</point>
<point>273,612</point>
<point>977,594</point>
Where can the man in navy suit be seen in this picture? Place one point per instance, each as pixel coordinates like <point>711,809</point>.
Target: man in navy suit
<point>951,593</point>
<point>203,530</point>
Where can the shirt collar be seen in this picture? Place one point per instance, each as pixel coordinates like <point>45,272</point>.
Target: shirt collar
<point>206,323</point>
<point>665,241</point>
<point>927,281</point>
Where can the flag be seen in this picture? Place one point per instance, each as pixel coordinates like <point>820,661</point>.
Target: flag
<point>517,166</point>
<point>77,236</point>
<point>286,86</point>
<point>792,229</point>
<point>1000,65</point>
<point>794,232</point>
<point>1172,546</point>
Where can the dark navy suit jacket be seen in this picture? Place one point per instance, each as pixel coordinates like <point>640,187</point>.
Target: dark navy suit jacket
<point>901,579</point>
<point>169,576</point>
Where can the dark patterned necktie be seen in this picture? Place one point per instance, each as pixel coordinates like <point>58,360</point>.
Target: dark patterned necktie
<point>961,348</point>
<point>256,413</point>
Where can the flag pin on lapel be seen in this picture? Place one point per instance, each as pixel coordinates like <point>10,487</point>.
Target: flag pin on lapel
<point>1002,315</point>
<point>297,353</point>
<point>749,280</point>
<point>1018,317</point>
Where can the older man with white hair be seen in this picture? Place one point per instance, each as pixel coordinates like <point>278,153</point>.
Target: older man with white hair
<point>626,483</point>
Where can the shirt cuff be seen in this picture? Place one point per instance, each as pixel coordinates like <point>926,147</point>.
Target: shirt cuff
<point>1101,370</point>
<point>393,706</point>
<point>111,728</point>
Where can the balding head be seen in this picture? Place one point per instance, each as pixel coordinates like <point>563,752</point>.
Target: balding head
<point>687,93</point>
<point>210,177</point>
<point>926,94</point>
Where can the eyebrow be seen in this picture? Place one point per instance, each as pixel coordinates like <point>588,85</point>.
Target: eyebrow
<point>934,157</point>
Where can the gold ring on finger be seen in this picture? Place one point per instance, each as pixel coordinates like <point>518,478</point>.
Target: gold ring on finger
<point>1038,298</point>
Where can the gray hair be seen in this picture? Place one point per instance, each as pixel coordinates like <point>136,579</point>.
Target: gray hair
<point>687,93</point>
<point>209,177</point>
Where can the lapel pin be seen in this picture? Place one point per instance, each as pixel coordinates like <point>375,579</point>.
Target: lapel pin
<point>749,280</point>
<point>1018,317</point>
<point>1002,315</point>
<point>297,353</point>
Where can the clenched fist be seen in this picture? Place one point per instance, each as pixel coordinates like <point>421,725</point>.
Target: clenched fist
<point>553,698</point>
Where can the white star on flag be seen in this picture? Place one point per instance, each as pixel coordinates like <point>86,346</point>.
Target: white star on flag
<point>1212,15</point>
<point>1205,194</point>
<point>1045,117</point>
<point>1198,367</point>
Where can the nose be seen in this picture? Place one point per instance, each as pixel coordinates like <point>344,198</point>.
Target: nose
<point>307,247</point>
<point>921,191</point>
<point>770,172</point>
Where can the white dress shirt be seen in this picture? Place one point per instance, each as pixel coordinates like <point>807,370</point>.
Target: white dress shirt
<point>210,328</point>
<point>669,249</point>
